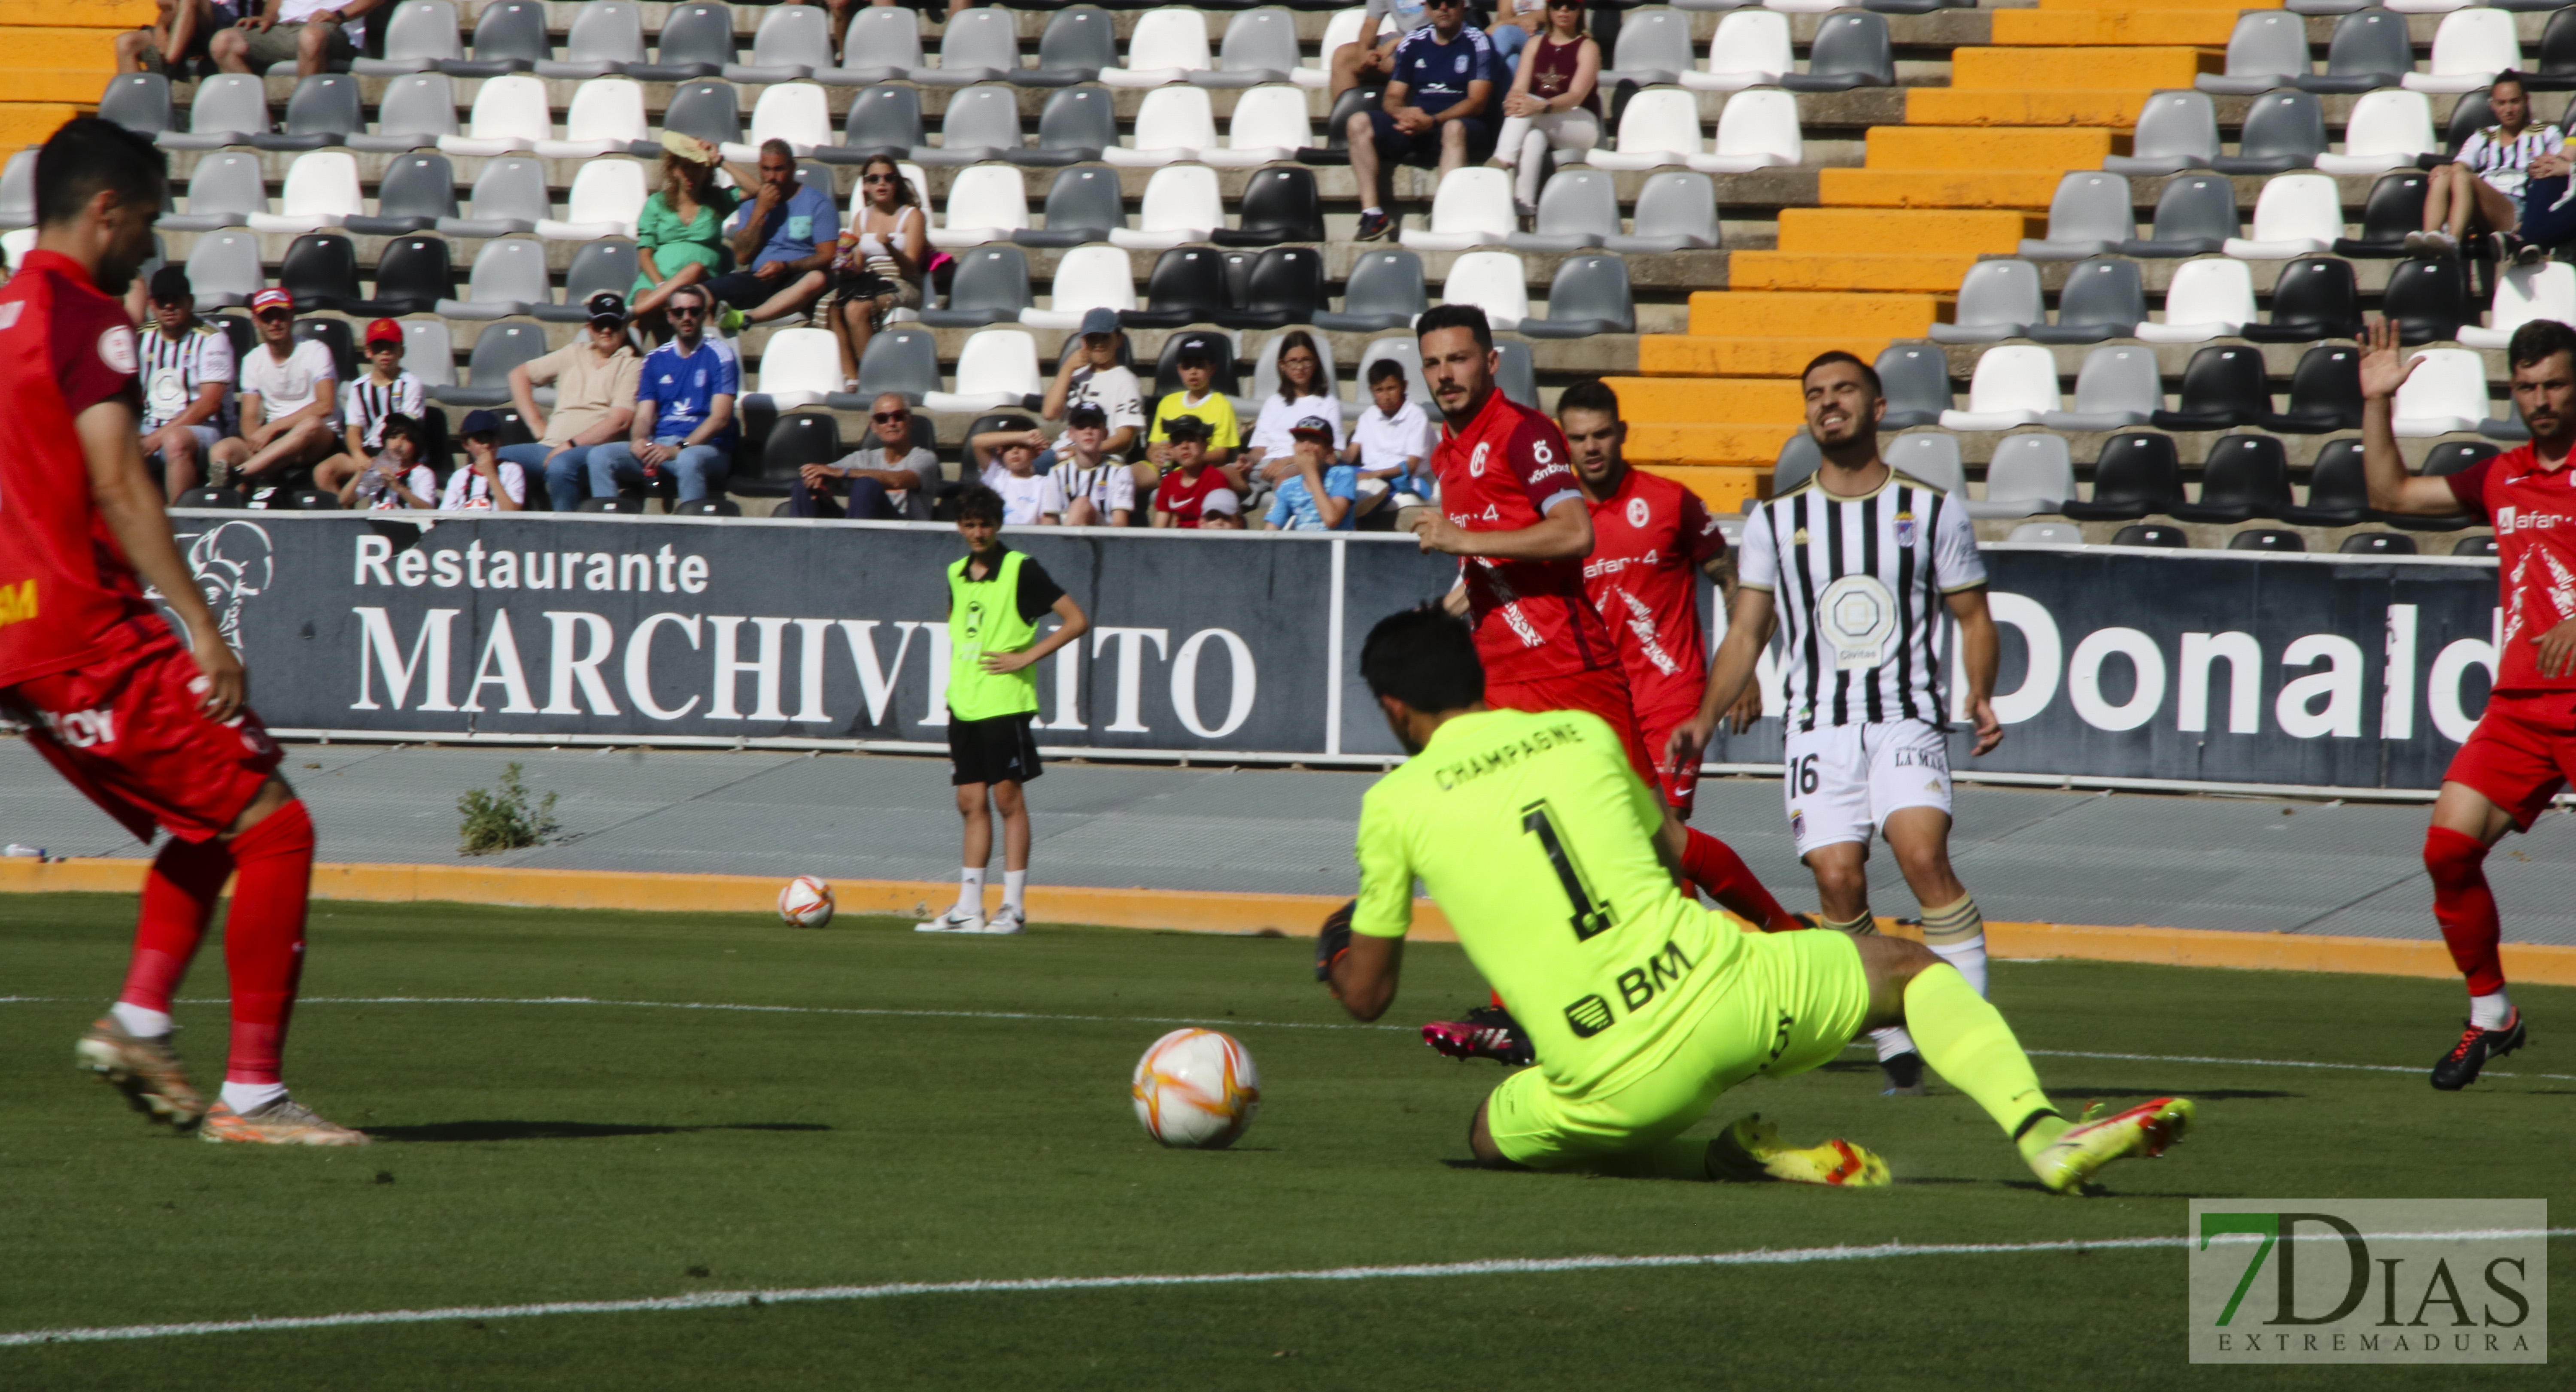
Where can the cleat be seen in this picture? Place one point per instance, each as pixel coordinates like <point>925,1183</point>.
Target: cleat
<point>2459,1068</point>
<point>147,1071</point>
<point>953,921</point>
<point>1004,922</point>
<point>1375,225</point>
<point>282,1122</point>
<point>2069,1163</point>
<point>1489,1032</point>
<point>1751,1149</point>
<point>1904,1075</point>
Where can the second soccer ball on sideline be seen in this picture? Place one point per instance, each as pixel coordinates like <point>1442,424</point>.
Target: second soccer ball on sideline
<point>1196,1089</point>
<point>806,902</point>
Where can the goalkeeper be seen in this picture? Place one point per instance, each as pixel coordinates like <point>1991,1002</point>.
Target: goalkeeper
<point>1532,833</point>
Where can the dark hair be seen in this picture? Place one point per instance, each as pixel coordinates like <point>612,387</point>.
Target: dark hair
<point>1455,316</point>
<point>1424,658</point>
<point>1086,414</point>
<point>780,148</point>
<point>1384,368</point>
<point>2537,342</point>
<point>1591,395</point>
<point>1868,373</point>
<point>696,289</point>
<point>88,154</point>
<point>397,423</point>
<point>1194,353</point>
<point>903,196</point>
<point>979,504</point>
<point>2508,75</point>
<point>1299,338</point>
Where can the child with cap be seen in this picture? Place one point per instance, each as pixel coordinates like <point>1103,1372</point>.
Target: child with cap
<point>1099,490</point>
<point>382,392</point>
<point>1197,399</point>
<point>594,378</point>
<point>1008,462</point>
<point>398,477</point>
<point>487,483</point>
<point>1323,494</point>
<point>1219,512</point>
<point>1184,492</point>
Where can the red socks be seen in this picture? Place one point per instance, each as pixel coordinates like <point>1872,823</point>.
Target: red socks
<point>2465,907</point>
<point>1715,867</point>
<point>264,938</point>
<point>178,902</point>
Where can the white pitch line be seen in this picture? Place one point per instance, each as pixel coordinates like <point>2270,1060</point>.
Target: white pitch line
<point>726,1300</point>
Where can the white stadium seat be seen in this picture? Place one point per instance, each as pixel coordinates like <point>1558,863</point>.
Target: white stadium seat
<point>986,203</point>
<point>1494,281</point>
<point>510,114</point>
<point>2296,215</point>
<point>1173,124</point>
<point>1168,46</point>
<point>997,368</point>
<point>1751,49</point>
<point>2014,384</point>
<point>605,118</point>
<point>1471,208</point>
<point>1088,278</point>
<point>1181,205</point>
<point>2209,298</point>
<point>321,191</point>
<point>2447,393</point>
<point>607,197</point>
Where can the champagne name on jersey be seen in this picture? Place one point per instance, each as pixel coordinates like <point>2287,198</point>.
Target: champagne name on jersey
<point>1451,776</point>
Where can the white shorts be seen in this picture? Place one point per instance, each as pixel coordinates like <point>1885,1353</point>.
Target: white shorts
<point>1842,782</point>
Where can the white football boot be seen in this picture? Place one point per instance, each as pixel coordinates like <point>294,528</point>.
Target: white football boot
<point>1005,920</point>
<point>957,920</point>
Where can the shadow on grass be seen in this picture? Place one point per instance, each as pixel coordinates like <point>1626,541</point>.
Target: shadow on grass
<point>563,1130</point>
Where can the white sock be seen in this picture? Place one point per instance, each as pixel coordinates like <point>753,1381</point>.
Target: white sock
<point>2485,1012</point>
<point>1371,212</point>
<point>139,1022</point>
<point>1015,891</point>
<point>1969,957</point>
<point>970,890</point>
<point>1892,1041</point>
<point>246,1098</point>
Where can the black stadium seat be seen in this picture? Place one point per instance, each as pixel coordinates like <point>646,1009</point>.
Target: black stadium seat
<point>2267,539</point>
<point>332,334</point>
<point>1167,371</point>
<point>2245,477</point>
<point>2428,297</point>
<point>2137,474</point>
<point>2325,393</point>
<point>2153,534</point>
<point>2377,544</point>
<point>2222,388</point>
<point>320,270</point>
<point>2315,298</point>
<point>1286,287</point>
<point>1279,205</point>
<point>1336,146</point>
<point>2395,208</point>
<point>2338,491</point>
<point>412,276</point>
<point>1187,287</point>
<point>797,439</point>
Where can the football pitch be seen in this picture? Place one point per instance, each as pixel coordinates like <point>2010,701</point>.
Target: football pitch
<point>672,1114</point>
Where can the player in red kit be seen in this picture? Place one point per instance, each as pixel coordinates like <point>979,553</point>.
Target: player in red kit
<point>2524,747</point>
<point>155,732</point>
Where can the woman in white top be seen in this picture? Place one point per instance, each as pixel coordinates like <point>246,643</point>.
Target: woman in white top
<point>1271,455</point>
<point>882,256</point>
<point>2484,182</point>
<point>1554,102</point>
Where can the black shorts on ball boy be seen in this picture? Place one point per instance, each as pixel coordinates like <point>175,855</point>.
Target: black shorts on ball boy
<point>1003,749</point>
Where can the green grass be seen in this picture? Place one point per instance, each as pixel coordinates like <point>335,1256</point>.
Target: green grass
<point>566,1152</point>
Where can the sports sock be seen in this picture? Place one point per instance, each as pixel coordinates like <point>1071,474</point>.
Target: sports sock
<point>1371,212</point>
<point>2486,1012</point>
<point>1716,868</point>
<point>139,1022</point>
<point>1015,891</point>
<point>1891,1042</point>
<point>970,890</point>
<point>2465,907</point>
<point>1968,1041</point>
<point>178,902</point>
<point>264,938</point>
<point>1957,933</point>
<point>246,1098</point>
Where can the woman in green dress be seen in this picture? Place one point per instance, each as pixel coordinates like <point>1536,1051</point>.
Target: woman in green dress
<point>679,237</point>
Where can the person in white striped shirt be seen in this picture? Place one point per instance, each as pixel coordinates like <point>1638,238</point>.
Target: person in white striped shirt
<point>381,393</point>
<point>187,374</point>
<point>2483,184</point>
<point>1861,566</point>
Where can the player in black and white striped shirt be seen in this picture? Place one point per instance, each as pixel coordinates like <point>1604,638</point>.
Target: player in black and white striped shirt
<point>1863,567</point>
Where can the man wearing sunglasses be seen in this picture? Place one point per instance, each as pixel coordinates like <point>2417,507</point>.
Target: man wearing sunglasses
<point>683,419</point>
<point>1437,99</point>
<point>884,480</point>
<point>290,402</point>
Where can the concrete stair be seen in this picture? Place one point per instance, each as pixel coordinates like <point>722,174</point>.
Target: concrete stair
<point>57,57</point>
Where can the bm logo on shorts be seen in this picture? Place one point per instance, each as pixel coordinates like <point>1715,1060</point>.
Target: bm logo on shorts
<point>1638,986</point>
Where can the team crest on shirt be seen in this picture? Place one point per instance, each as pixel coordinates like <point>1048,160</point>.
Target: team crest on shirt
<point>116,349</point>
<point>1637,513</point>
<point>1905,529</point>
<point>1476,461</point>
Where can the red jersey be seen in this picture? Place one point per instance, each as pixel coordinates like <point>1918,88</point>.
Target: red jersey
<point>1650,536</point>
<point>1501,474</point>
<point>67,594</point>
<point>1182,499</point>
<point>2534,512</point>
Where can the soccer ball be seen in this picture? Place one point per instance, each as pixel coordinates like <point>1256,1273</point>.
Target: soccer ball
<point>806,902</point>
<point>1197,1089</point>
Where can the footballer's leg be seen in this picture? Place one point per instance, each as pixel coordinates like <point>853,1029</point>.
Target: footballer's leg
<point>1749,1150</point>
<point>2500,780</point>
<point>1909,795</point>
<point>1829,820</point>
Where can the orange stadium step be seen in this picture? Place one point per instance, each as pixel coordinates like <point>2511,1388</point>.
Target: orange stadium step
<point>1922,233</point>
<point>2228,6</point>
<point>86,51</point>
<point>1739,313</point>
<point>2106,27</point>
<point>85,14</point>
<point>1796,270</point>
<point>1746,399</point>
<point>28,123</point>
<point>1686,356</point>
<point>1725,488</point>
<point>1705,444</point>
<point>1946,106</point>
<point>2078,69</point>
<point>1954,148</point>
<point>1941,188</point>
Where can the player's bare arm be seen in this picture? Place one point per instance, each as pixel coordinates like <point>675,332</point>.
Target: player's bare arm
<point>1747,707</point>
<point>1730,673</point>
<point>1981,653</point>
<point>2384,368</point>
<point>1072,625</point>
<point>1563,534</point>
<point>130,503</point>
<point>1364,975</point>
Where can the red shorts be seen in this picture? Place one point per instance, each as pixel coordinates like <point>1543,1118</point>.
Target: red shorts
<point>126,731</point>
<point>1681,783</point>
<point>2522,752</point>
<point>1602,691</point>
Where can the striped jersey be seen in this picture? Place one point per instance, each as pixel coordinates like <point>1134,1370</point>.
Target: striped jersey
<point>1858,584</point>
<point>174,369</point>
<point>2506,163</point>
<point>366,402</point>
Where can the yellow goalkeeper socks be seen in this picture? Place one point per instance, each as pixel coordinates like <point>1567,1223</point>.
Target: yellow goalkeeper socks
<point>1967,1040</point>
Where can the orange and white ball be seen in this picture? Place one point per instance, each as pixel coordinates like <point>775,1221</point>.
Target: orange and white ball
<point>1197,1089</point>
<point>806,902</point>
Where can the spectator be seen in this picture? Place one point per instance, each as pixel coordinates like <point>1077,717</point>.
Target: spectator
<point>1323,495</point>
<point>1515,23</point>
<point>786,234</point>
<point>1270,457</point>
<point>397,477</point>
<point>2483,184</point>
<point>878,263</point>
<point>683,410</point>
<point>1440,84</point>
<point>1196,400</point>
<point>679,237</point>
<point>1554,104</point>
<point>179,34</point>
<point>1219,511</point>
<point>1008,460</point>
<point>882,480</point>
<point>1099,491</point>
<point>594,377</point>
<point>487,483</point>
<point>1091,375</point>
<point>311,34</point>
<point>187,373</point>
<point>1394,438</point>
<point>290,402</point>
<point>1184,491</point>
<point>1382,27</point>
<point>383,392</point>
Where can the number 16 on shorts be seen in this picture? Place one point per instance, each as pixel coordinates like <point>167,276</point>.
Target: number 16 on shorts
<point>1841,782</point>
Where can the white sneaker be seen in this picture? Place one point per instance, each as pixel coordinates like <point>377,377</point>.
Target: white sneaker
<point>957,920</point>
<point>1006,920</point>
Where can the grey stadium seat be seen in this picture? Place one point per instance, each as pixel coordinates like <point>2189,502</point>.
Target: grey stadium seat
<point>1578,210</point>
<point>1799,459</point>
<point>497,349</point>
<point>2269,49</point>
<point>980,45</point>
<point>2283,131</point>
<point>883,120</point>
<point>418,193</point>
<point>2103,299</point>
<point>886,40</point>
<point>1260,46</point>
<point>991,287</point>
<point>1589,296</point>
<point>509,277</point>
<point>982,123</point>
<point>322,113</point>
<point>1385,290</point>
<point>606,37</point>
<point>224,269</point>
<point>2369,50</point>
<point>18,192</point>
<point>1997,300</point>
<point>229,109</point>
<point>2029,474</point>
<point>140,102</point>
<point>902,359</point>
<point>792,42</point>
<point>2176,131</point>
<point>1081,206</point>
<point>1401,350</point>
<point>2117,388</point>
<point>510,197</point>
<point>696,41</point>
<point>509,37</point>
<point>420,34</point>
<point>1916,378</point>
<point>416,110</point>
<point>1850,50</point>
<point>708,110</point>
<point>226,188</point>
<point>2195,216</point>
<point>1653,49</point>
<point>606,264</point>
<point>1516,374</point>
<point>1676,211</point>
<point>1931,456</point>
<point>1076,124</point>
<point>1077,44</point>
<point>2090,216</point>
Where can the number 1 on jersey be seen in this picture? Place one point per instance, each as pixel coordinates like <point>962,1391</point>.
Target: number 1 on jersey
<point>1590,919</point>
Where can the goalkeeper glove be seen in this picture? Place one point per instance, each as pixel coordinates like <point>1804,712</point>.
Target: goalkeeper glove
<point>1332,940</point>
